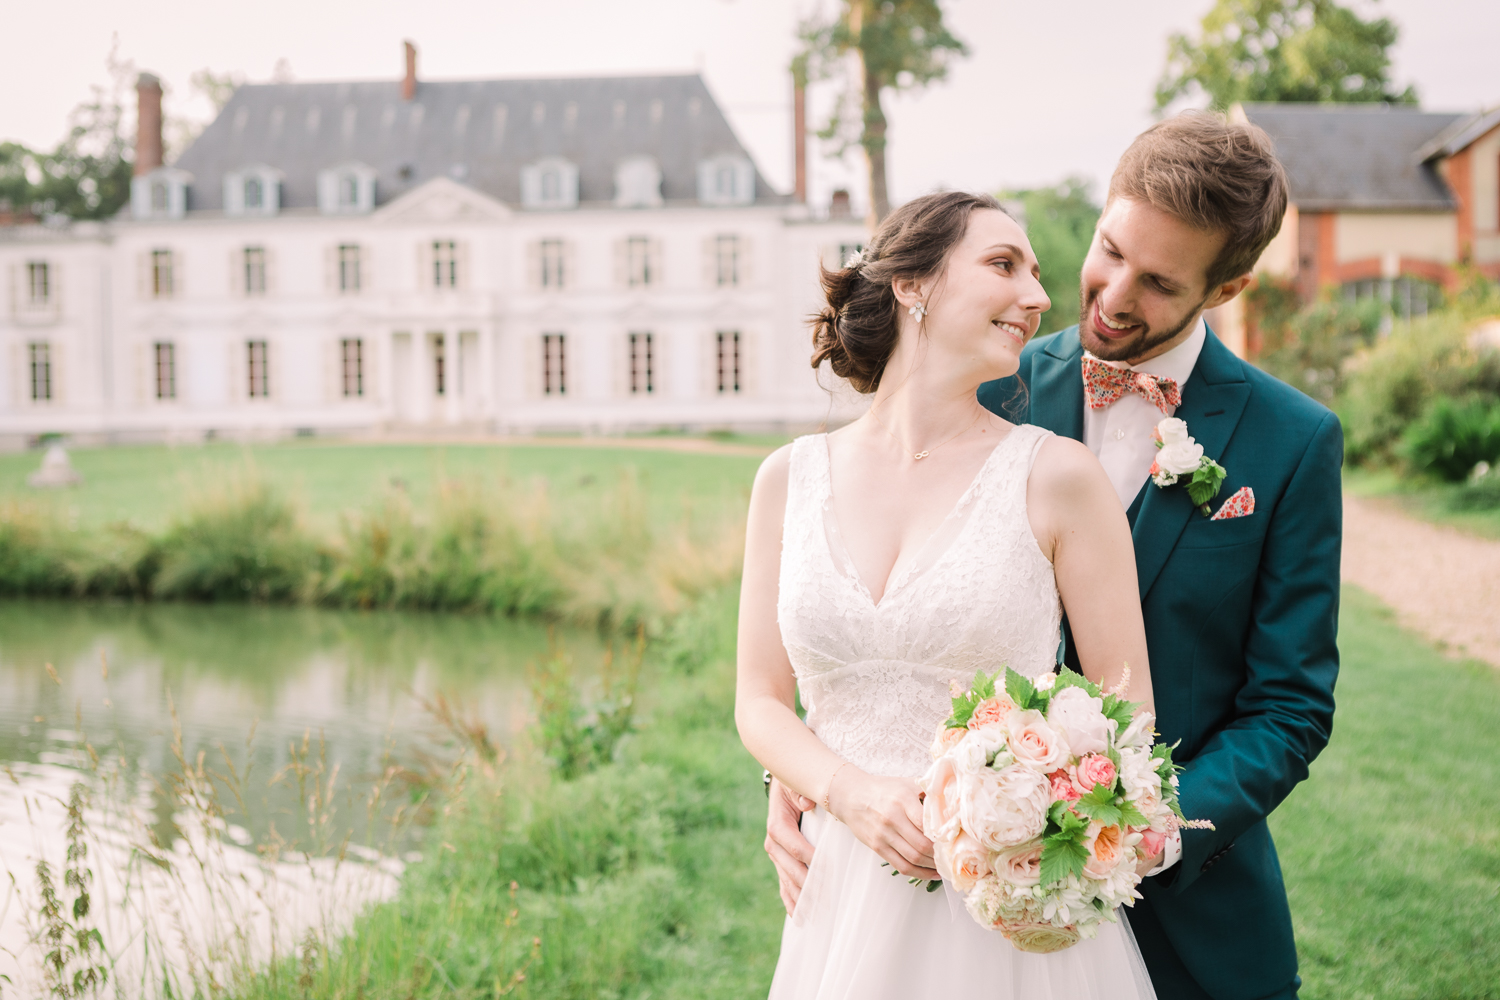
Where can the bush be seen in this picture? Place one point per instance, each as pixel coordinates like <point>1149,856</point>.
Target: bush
<point>1482,494</point>
<point>1453,437</point>
<point>239,540</point>
<point>1311,349</point>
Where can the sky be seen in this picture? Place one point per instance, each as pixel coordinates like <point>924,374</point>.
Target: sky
<point>1051,89</point>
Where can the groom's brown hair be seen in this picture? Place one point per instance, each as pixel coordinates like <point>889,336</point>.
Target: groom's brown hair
<point>1212,174</point>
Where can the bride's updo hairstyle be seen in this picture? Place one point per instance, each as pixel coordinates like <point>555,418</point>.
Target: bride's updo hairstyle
<point>857,330</point>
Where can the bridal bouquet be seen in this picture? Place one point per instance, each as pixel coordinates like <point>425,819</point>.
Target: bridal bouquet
<point>1040,800</point>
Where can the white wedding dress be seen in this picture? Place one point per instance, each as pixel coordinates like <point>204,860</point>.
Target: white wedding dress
<point>874,679</point>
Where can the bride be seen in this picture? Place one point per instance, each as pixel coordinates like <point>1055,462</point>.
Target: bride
<point>925,541</point>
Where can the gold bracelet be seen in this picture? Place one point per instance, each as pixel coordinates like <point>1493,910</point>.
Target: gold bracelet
<point>828,789</point>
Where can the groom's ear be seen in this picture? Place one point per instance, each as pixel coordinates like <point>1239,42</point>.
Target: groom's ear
<point>1227,291</point>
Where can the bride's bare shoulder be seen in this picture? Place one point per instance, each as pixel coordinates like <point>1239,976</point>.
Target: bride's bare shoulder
<point>772,476</point>
<point>1066,471</point>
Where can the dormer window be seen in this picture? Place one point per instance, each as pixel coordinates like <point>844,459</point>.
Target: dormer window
<point>638,183</point>
<point>726,180</point>
<point>550,183</point>
<point>254,190</point>
<point>160,194</point>
<point>347,190</point>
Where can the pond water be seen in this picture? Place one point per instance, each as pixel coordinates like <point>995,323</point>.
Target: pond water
<point>97,693</point>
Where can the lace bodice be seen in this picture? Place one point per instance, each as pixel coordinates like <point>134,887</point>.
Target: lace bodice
<point>874,678</point>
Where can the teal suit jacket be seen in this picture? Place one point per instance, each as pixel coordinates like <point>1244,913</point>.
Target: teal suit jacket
<point>1241,622</point>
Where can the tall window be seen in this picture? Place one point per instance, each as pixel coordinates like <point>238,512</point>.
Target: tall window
<point>444,264</point>
<point>554,364</point>
<point>255,271</point>
<point>166,369</point>
<point>38,282</point>
<point>161,274</point>
<point>258,369</point>
<point>255,194</point>
<point>552,183</point>
<point>553,275</point>
<point>639,267</point>
<point>439,364</point>
<point>349,277</point>
<point>40,355</point>
<point>352,350</point>
<point>349,191</point>
<point>158,196</point>
<point>729,361</point>
<point>641,375</point>
<point>727,261</point>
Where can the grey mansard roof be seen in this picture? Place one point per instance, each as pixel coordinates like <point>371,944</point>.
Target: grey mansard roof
<point>1357,156</point>
<point>480,133</point>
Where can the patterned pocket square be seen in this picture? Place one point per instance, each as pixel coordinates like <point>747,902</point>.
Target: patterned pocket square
<point>1239,505</point>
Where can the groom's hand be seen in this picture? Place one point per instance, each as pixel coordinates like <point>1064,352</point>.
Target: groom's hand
<point>1145,866</point>
<point>790,852</point>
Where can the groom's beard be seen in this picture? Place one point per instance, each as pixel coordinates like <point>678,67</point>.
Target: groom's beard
<point>1130,348</point>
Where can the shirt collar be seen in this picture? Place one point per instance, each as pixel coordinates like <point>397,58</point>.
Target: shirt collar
<point>1178,363</point>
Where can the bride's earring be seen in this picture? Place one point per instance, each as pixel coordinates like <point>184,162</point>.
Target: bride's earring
<point>918,311</point>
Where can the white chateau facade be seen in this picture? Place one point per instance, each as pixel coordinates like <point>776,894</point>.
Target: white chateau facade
<point>505,256</point>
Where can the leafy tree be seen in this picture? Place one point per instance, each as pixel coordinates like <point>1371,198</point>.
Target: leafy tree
<point>893,45</point>
<point>1060,223</point>
<point>1283,50</point>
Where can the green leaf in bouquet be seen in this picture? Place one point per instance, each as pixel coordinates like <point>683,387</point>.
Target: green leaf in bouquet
<point>984,684</point>
<point>1099,804</point>
<point>1204,485</point>
<point>1067,678</point>
<point>1061,857</point>
<point>1120,710</point>
<point>963,711</point>
<point>1020,689</point>
<point>1131,816</point>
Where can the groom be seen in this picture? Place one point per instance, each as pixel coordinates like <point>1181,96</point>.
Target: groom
<point>1240,607</point>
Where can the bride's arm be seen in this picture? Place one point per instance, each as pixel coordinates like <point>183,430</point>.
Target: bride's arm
<point>1079,524</point>
<point>884,813</point>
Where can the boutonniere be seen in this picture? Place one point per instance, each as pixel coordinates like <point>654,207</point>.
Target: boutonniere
<point>1179,456</point>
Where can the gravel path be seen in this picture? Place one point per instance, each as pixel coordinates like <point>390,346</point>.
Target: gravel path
<point>1442,582</point>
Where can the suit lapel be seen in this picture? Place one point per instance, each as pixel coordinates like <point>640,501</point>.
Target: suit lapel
<point>1213,400</point>
<point>1057,386</point>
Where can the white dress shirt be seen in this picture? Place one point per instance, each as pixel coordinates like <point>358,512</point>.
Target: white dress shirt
<point>1120,436</point>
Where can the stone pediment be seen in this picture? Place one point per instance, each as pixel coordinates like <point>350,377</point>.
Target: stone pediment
<point>442,201</point>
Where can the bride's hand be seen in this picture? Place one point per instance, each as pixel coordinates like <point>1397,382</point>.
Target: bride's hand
<point>885,814</point>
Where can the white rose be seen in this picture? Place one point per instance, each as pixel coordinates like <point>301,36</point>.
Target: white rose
<point>969,757</point>
<point>1138,772</point>
<point>1172,430</point>
<point>1044,682</point>
<point>991,737</point>
<point>1080,718</point>
<point>1036,744</point>
<point>1180,458</point>
<point>1005,808</point>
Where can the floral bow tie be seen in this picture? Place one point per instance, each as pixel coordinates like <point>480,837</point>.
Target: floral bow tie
<point>1104,384</point>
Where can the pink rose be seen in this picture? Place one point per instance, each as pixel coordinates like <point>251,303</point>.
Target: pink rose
<point>941,801</point>
<point>962,861</point>
<point>1020,865</point>
<point>1063,788</point>
<point>991,711</point>
<point>1152,843</point>
<point>1096,769</point>
<point>1106,845</point>
<point>1034,743</point>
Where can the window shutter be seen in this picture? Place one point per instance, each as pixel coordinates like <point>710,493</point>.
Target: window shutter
<point>268,262</point>
<point>461,257</point>
<point>747,262</point>
<point>619,364</point>
<point>424,266</point>
<point>570,265</point>
<point>532,365</point>
<point>142,373</point>
<point>749,363</point>
<point>658,264</point>
<point>710,262</point>
<point>57,358</point>
<point>331,269</point>
<point>143,274</point>
<point>622,264</point>
<point>237,273</point>
<point>534,265</point>
<point>333,368</point>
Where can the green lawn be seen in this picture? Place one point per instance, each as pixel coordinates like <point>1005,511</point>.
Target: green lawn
<point>646,878</point>
<point>146,484</point>
<point>1428,501</point>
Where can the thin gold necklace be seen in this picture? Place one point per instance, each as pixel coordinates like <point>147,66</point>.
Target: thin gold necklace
<point>919,455</point>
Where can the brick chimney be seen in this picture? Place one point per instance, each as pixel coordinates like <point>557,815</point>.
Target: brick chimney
<point>799,134</point>
<point>147,124</point>
<point>409,84</point>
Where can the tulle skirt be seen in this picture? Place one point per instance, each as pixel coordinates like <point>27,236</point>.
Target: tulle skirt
<point>862,934</point>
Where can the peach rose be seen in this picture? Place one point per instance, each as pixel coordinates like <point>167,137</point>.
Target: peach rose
<point>1063,787</point>
<point>1095,769</point>
<point>962,861</point>
<point>941,802</point>
<point>1035,743</point>
<point>991,711</point>
<point>946,739</point>
<point>1020,865</point>
<point>1106,845</point>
